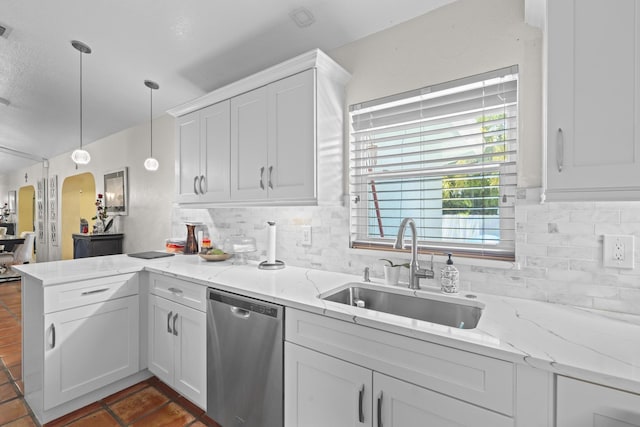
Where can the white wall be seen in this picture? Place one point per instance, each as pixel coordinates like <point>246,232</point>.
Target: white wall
<point>150,193</point>
<point>558,250</point>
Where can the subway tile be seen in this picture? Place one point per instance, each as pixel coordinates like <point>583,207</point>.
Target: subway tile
<point>571,252</point>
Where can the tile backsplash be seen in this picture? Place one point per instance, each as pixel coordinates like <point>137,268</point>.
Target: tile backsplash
<point>558,249</point>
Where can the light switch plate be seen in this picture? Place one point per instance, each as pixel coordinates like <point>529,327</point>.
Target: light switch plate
<point>306,235</point>
<point>618,251</point>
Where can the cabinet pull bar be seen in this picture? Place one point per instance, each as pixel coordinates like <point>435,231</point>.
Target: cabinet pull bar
<point>95,291</point>
<point>175,330</point>
<point>560,150</point>
<point>380,410</point>
<point>175,291</point>
<point>53,335</point>
<point>360,399</point>
<point>168,322</point>
<point>261,176</point>
<point>195,185</point>
<point>203,189</point>
<point>270,173</point>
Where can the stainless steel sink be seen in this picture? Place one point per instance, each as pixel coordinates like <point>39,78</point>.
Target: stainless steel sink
<point>435,309</point>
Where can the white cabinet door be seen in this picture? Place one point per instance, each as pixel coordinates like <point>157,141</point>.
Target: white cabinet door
<point>323,391</point>
<point>400,404</point>
<point>190,335</point>
<point>249,145</point>
<point>292,133</point>
<point>178,347</point>
<point>188,154</point>
<point>593,100</point>
<point>582,404</point>
<point>160,338</point>
<point>215,152</point>
<point>89,347</point>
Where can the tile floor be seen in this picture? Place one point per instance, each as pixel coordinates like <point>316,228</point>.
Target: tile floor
<point>149,403</point>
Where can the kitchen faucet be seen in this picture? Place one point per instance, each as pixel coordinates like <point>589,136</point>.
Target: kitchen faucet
<point>415,272</point>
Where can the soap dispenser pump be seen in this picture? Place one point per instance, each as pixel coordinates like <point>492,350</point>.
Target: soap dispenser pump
<point>449,278</point>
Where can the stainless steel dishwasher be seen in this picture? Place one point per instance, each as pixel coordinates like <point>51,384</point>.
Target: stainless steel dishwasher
<point>244,361</point>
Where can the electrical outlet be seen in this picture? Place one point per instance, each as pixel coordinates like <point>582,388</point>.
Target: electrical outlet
<point>618,251</point>
<point>306,235</point>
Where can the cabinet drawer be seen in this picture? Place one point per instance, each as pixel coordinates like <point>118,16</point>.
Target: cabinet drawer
<point>83,292</point>
<point>477,379</point>
<point>181,291</point>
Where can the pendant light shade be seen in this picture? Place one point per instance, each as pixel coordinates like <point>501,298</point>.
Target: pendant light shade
<point>81,156</point>
<point>151,164</point>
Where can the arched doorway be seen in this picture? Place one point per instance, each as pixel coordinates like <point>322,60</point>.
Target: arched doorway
<point>78,201</point>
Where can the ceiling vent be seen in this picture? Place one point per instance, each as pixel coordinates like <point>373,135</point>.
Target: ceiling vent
<point>302,17</point>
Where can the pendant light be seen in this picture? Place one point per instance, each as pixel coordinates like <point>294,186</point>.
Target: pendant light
<point>80,156</point>
<point>151,164</point>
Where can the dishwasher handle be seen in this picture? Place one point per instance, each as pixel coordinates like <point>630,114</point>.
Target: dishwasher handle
<point>242,306</point>
<point>240,312</point>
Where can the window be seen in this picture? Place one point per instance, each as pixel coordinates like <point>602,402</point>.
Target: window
<point>443,155</point>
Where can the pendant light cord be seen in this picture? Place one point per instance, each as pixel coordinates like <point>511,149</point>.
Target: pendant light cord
<point>81,100</point>
<point>151,117</point>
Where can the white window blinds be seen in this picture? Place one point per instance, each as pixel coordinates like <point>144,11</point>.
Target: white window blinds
<point>445,156</point>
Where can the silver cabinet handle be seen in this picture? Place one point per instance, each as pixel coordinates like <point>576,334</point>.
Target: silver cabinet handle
<point>203,189</point>
<point>95,291</point>
<point>380,410</point>
<point>560,150</point>
<point>195,185</point>
<point>53,335</point>
<point>239,312</point>
<point>360,399</point>
<point>169,320</point>
<point>270,173</point>
<point>261,176</point>
<point>175,330</point>
<point>175,291</point>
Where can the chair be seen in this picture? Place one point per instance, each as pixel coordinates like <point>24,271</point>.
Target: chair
<point>22,252</point>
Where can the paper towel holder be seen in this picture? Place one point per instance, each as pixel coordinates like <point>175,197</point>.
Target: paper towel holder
<point>271,263</point>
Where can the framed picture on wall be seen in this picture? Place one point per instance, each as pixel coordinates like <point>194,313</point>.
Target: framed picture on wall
<point>12,202</point>
<point>115,192</point>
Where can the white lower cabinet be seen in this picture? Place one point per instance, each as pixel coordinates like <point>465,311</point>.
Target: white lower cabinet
<point>89,347</point>
<point>321,390</point>
<point>582,404</point>
<point>177,347</point>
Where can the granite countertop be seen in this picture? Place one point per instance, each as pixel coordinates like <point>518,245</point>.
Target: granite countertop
<point>591,345</point>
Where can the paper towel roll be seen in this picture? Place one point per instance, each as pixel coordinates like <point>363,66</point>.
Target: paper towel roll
<point>271,243</point>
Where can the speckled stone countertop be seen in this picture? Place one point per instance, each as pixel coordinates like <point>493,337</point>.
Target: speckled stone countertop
<point>595,346</point>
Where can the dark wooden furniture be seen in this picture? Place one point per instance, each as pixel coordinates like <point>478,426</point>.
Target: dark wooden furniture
<point>11,227</point>
<point>90,245</point>
<point>8,242</point>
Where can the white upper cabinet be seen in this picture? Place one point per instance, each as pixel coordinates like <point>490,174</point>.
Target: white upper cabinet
<point>273,141</point>
<point>593,100</point>
<point>285,140</point>
<point>202,155</point>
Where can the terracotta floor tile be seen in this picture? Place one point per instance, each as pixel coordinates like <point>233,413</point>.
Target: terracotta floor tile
<point>10,339</point>
<point>171,415</point>
<point>191,407</point>
<point>10,348</point>
<point>20,386</point>
<point>75,415</point>
<point>198,424</point>
<point>12,358</point>
<point>110,400</point>
<point>98,419</point>
<point>12,410</point>
<point>22,422</point>
<point>166,390</point>
<point>10,328</point>
<point>4,376</point>
<point>16,371</point>
<point>138,404</point>
<point>7,392</point>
